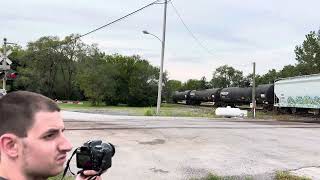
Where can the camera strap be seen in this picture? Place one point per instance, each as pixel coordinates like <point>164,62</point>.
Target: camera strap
<point>68,165</point>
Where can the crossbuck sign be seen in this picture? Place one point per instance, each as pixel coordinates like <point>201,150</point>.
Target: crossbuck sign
<point>3,57</point>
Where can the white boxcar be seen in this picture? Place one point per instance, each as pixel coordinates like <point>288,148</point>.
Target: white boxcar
<point>298,92</point>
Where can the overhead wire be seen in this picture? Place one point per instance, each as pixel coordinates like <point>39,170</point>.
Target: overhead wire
<point>119,19</point>
<point>188,29</point>
<point>134,12</point>
<point>197,40</point>
<point>103,26</point>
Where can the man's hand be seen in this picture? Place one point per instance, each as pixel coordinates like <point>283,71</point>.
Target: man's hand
<point>87,174</point>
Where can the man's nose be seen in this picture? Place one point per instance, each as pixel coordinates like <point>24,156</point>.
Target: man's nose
<point>65,145</point>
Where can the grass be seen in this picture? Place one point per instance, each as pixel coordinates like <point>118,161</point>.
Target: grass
<point>216,177</point>
<point>178,110</point>
<point>84,105</point>
<point>186,111</point>
<point>150,112</point>
<point>166,110</point>
<point>280,175</point>
<point>284,175</point>
<point>121,109</point>
<point>261,114</point>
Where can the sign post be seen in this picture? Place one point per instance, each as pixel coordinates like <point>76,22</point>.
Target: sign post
<point>6,62</point>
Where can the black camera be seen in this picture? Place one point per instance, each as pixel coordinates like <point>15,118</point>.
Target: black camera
<point>95,155</point>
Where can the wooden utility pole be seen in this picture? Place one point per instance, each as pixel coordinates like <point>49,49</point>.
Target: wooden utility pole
<point>254,90</point>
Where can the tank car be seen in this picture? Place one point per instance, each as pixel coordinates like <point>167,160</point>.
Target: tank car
<point>265,96</point>
<point>234,96</point>
<point>206,95</point>
<point>181,96</point>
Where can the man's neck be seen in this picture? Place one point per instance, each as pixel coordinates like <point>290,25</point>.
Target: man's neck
<point>3,172</point>
<point>16,176</point>
<point>12,172</point>
<point>1,178</point>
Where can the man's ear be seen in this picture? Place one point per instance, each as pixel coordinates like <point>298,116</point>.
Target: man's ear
<point>9,145</point>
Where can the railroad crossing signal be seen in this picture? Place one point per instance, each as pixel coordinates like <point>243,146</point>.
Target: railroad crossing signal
<point>4,57</point>
<point>5,62</point>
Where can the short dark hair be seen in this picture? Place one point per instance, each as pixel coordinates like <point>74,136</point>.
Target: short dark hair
<point>17,111</point>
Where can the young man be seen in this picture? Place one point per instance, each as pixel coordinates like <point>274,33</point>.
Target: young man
<point>32,143</point>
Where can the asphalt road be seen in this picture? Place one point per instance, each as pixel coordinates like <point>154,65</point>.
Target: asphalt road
<point>161,148</point>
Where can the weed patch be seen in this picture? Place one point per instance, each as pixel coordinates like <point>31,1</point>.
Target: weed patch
<point>284,175</point>
<point>216,177</point>
<point>150,112</point>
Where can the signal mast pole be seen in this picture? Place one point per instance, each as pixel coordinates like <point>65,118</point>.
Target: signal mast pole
<point>4,63</point>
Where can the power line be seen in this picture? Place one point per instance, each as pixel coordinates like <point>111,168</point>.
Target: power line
<point>198,41</point>
<point>188,29</point>
<point>108,24</point>
<point>155,2</point>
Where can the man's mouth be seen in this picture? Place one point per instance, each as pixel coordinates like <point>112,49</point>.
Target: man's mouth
<point>61,159</point>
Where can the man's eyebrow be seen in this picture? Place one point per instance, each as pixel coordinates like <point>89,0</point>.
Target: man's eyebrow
<point>54,130</point>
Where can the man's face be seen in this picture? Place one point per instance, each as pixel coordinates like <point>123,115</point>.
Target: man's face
<point>45,147</point>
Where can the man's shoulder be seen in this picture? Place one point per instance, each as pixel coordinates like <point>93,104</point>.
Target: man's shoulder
<point>1,178</point>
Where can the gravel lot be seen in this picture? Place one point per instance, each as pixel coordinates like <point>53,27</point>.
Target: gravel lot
<point>182,148</point>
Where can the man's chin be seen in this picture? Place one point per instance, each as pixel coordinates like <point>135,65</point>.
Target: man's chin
<point>45,174</point>
<point>56,171</point>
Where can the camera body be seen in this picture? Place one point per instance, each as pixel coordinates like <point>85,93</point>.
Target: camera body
<point>95,155</point>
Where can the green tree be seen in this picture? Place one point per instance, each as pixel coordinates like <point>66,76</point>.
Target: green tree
<point>191,84</point>
<point>71,51</point>
<point>96,78</point>
<point>268,78</point>
<point>48,66</point>
<point>226,76</point>
<point>39,66</point>
<point>308,54</point>
<point>169,87</point>
<point>143,83</point>
<point>290,71</point>
<point>136,83</point>
<point>204,84</point>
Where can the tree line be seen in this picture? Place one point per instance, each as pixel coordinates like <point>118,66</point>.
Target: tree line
<point>70,69</point>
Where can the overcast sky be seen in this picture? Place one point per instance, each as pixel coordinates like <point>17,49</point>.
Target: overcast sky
<point>230,32</point>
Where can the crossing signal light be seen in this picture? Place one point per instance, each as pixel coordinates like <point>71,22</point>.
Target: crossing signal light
<point>11,75</point>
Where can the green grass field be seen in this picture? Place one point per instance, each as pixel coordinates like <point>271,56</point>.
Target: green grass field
<point>166,110</point>
<point>178,110</point>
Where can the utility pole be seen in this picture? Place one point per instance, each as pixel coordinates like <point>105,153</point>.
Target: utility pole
<point>162,56</point>
<point>4,63</point>
<point>254,90</point>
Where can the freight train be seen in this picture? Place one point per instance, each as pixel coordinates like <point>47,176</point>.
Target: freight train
<point>294,94</point>
<point>230,96</point>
